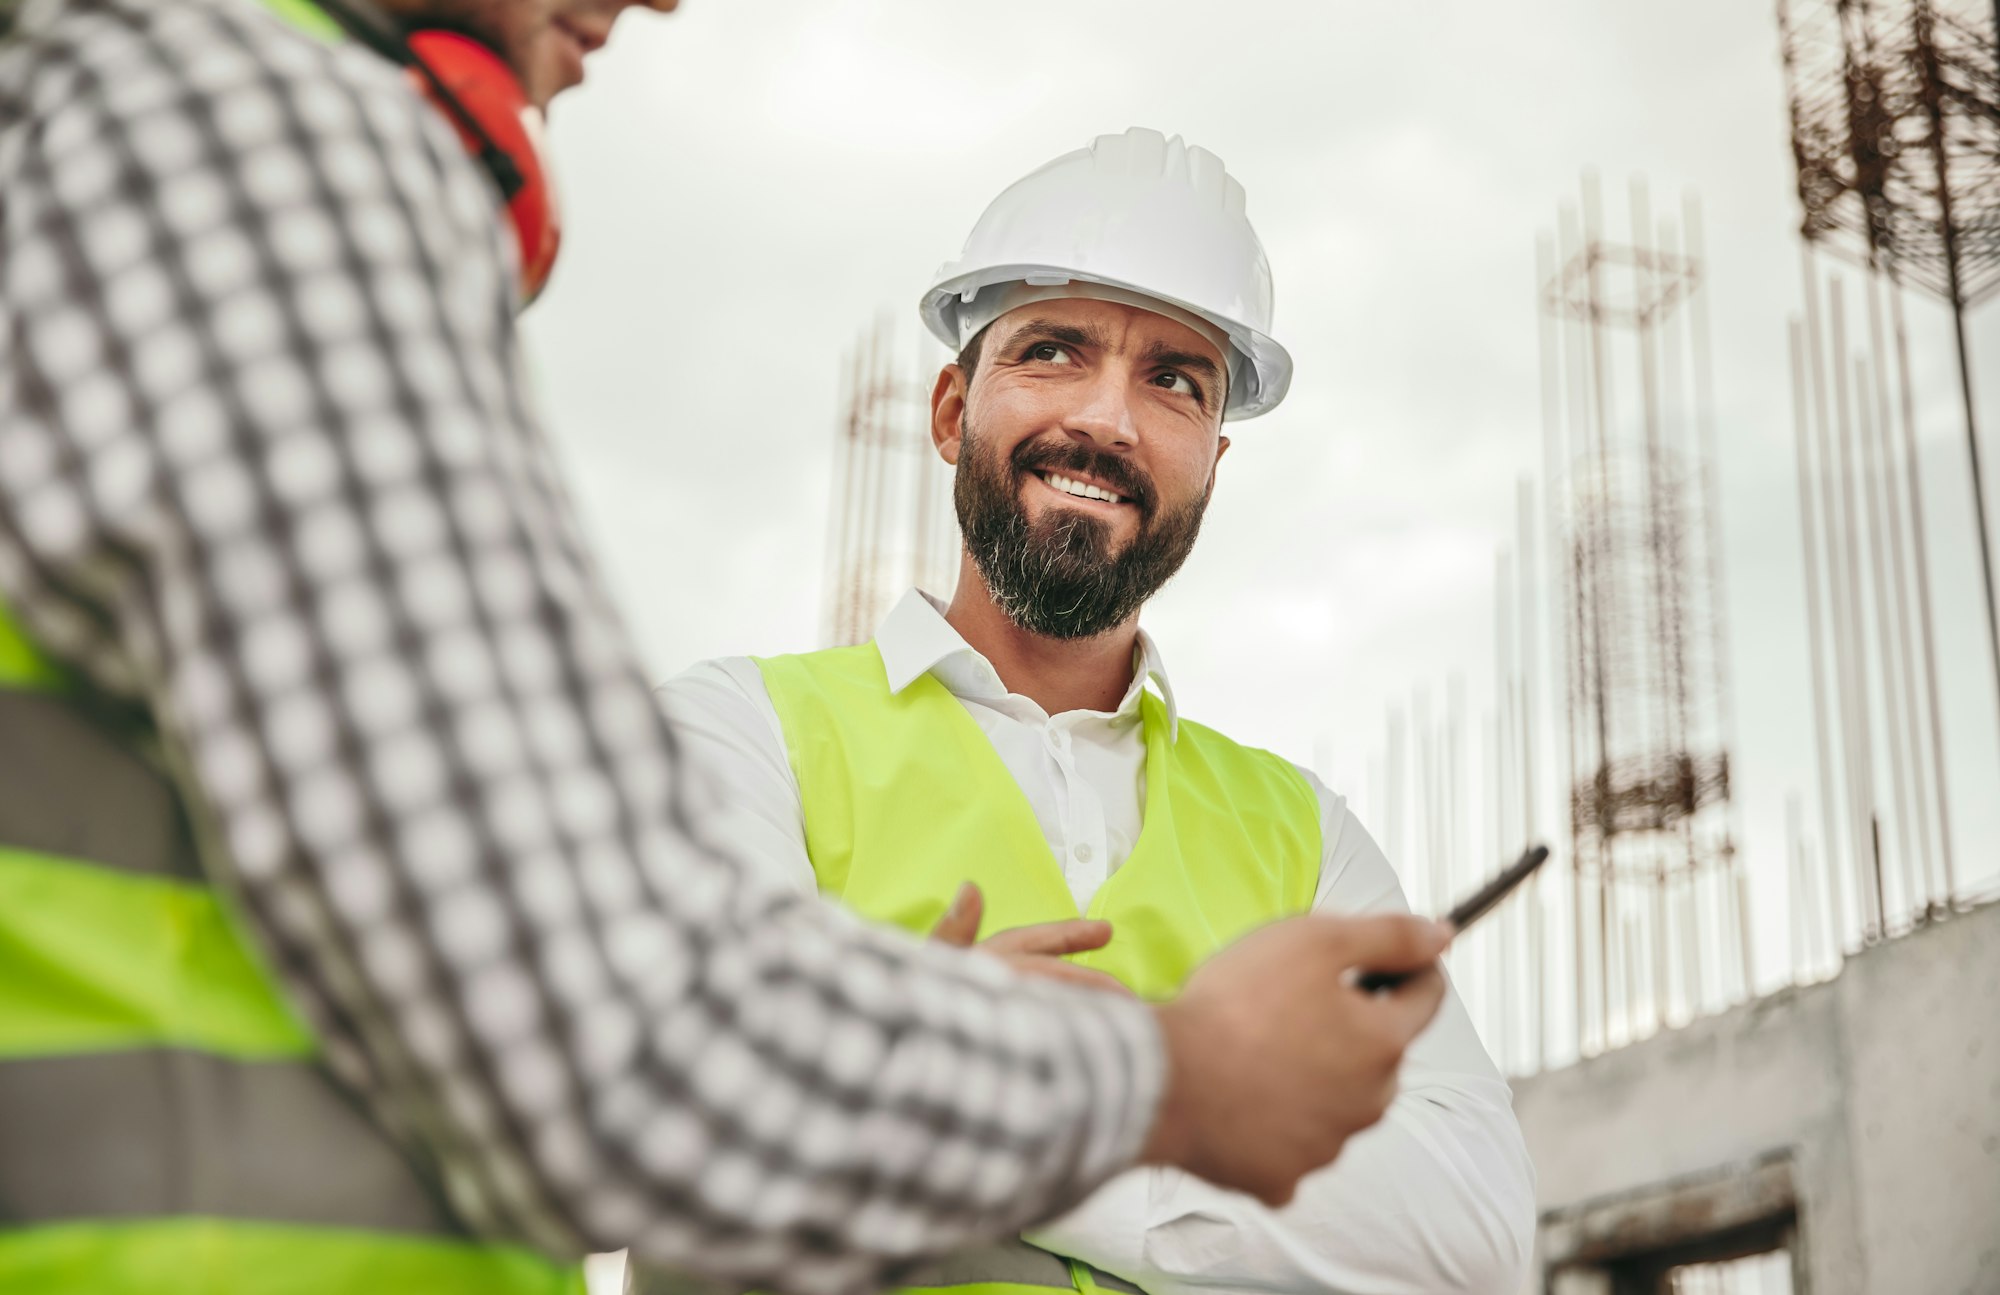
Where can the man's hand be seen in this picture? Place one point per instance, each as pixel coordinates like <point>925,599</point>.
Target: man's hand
<point>1275,1056</point>
<point>1035,950</point>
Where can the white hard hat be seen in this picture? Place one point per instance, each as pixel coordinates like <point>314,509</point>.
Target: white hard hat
<point>1138,214</point>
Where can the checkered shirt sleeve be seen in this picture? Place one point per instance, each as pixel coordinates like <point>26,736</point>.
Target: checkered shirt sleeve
<point>267,469</point>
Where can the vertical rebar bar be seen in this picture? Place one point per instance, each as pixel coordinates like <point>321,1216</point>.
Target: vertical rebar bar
<point>1691,942</point>
<point>1857,610</point>
<point>840,515</point>
<point>1912,474</point>
<point>1708,445</point>
<point>1870,487</point>
<point>1500,1010</point>
<point>1913,715</point>
<point>881,394</point>
<point>922,561</point>
<point>1716,600</point>
<point>1858,797</point>
<point>1822,728</point>
<point>1393,782</point>
<point>1795,856</point>
<point>1425,748</point>
<point>1599,587</point>
<point>1524,511</point>
<point>1664,644</point>
<point>1555,457</point>
<point>1452,857</point>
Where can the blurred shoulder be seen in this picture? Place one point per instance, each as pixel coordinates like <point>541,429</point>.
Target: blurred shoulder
<point>718,683</point>
<point>247,71</point>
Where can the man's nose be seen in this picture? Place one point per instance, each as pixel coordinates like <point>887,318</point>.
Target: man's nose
<point>1104,414</point>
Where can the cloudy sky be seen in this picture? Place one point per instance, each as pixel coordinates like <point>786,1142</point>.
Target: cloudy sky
<point>749,183</point>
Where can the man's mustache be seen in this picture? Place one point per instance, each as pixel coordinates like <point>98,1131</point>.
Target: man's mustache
<point>1070,457</point>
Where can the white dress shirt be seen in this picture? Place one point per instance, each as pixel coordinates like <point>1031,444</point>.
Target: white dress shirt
<point>1438,1197</point>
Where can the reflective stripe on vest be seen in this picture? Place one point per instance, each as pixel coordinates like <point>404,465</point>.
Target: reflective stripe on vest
<point>56,777</point>
<point>904,798</point>
<point>164,1125</point>
<point>197,1134</point>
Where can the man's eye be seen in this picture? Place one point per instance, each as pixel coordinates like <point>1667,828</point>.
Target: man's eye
<point>1175,381</point>
<point>1048,353</point>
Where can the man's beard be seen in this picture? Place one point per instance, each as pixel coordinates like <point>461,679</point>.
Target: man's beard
<point>1058,577</point>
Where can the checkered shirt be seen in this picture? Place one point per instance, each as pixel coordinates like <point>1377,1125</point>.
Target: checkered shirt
<point>268,470</point>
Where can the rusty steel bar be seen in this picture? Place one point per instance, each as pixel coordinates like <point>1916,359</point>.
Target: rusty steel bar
<point>1858,797</point>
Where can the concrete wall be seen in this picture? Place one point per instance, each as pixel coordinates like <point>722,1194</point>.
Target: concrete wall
<point>1881,1088</point>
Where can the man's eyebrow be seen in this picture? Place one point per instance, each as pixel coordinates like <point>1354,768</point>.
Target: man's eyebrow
<point>1049,330</point>
<point>1167,357</point>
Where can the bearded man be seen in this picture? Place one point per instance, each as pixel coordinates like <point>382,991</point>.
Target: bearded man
<point>998,764</point>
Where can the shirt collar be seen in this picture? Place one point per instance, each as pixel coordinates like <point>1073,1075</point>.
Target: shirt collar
<point>915,639</point>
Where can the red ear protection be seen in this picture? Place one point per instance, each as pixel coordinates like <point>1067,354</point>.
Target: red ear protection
<point>481,97</point>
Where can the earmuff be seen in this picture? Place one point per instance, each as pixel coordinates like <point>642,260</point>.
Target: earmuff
<point>483,99</point>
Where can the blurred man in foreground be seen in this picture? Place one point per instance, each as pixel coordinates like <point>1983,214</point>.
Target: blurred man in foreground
<point>1110,311</point>
<point>328,775</point>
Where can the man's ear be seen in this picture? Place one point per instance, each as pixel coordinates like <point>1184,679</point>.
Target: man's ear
<point>1221,447</point>
<point>948,412</point>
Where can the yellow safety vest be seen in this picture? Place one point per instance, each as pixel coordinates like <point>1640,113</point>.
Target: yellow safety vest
<point>165,1126</point>
<point>905,798</point>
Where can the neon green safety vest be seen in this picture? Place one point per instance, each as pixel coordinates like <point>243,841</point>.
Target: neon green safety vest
<point>164,1128</point>
<point>905,798</point>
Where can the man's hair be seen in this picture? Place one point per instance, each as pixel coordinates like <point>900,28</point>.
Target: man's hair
<point>968,358</point>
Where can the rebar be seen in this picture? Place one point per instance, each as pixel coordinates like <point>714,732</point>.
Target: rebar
<point>1895,123</point>
<point>1651,805</point>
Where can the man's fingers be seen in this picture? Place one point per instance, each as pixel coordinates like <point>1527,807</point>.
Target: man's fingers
<point>1392,942</point>
<point>960,923</point>
<point>1412,1004</point>
<point>1051,939</point>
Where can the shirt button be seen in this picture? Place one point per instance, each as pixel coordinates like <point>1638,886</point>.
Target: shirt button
<point>1083,853</point>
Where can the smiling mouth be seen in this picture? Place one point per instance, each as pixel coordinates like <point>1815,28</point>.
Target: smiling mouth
<point>1080,489</point>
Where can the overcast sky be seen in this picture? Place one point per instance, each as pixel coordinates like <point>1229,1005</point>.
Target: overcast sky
<point>748,183</point>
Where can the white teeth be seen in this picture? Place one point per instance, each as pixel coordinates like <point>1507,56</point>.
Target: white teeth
<point>1081,489</point>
